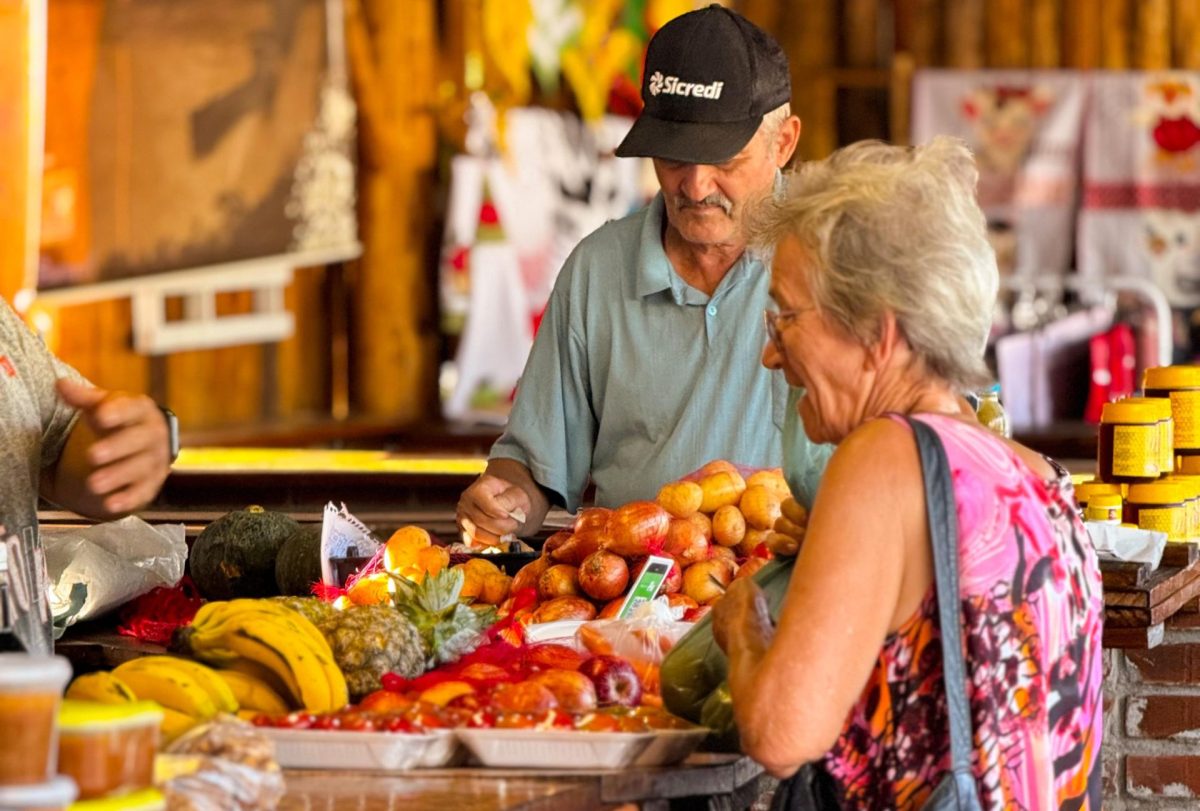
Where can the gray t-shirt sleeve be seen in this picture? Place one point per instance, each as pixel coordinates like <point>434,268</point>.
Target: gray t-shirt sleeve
<point>552,427</point>
<point>38,369</point>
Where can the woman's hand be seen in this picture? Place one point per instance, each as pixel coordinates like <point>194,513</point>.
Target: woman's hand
<point>789,529</point>
<point>742,614</point>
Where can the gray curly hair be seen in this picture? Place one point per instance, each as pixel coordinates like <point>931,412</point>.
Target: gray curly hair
<point>894,229</point>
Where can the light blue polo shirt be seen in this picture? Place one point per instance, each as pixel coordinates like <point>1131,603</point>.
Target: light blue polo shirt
<point>636,378</point>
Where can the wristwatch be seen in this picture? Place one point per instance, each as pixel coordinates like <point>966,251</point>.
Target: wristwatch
<point>172,432</point>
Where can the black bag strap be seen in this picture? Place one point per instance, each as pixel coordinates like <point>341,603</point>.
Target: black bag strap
<point>942,511</point>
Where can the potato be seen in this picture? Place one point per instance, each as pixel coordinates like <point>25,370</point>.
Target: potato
<point>761,506</point>
<point>729,526</point>
<point>721,489</point>
<point>681,499</point>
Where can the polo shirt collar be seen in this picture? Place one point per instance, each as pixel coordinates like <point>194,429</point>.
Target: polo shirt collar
<point>654,271</point>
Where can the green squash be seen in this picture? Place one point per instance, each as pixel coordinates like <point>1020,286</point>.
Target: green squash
<point>298,564</point>
<point>234,556</point>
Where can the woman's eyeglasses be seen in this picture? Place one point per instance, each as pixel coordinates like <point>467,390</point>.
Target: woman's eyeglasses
<point>776,320</point>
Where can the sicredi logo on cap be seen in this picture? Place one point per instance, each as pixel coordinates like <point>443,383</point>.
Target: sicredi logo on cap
<point>672,86</point>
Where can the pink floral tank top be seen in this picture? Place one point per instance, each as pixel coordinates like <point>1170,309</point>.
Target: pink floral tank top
<point>1032,617</point>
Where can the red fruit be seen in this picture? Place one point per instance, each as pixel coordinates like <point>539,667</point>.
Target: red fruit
<point>356,721</point>
<point>603,575</point>
<point>565,608</point>
<point>615,680</point>
<point>327,722</point>
<point>554,542</point>
<point>685,542</point>
<point>515,720</point>
<point>638,528</point>
<point>573,690</point>
<point>560,580</point>
<point>385,701</point>
<point>576,548</point>
<point>398,723</point>
<point>527,577</point>
<point>484,672</point>
<point>598,722</point>
<point>550,656</point>
<point>592,518</point>
<point>611,609</point>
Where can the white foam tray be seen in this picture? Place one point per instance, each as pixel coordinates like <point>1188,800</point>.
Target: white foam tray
<point>345,749</point>
<point>554,748</point>
<point>671,746</point>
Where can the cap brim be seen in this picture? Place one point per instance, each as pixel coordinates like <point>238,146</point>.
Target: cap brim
<point>687,141</point>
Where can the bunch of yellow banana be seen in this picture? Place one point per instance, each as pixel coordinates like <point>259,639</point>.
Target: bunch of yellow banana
<point>189,692</point>
<point>275,639</point>
<point>102,687</point>
<point>254,694</point>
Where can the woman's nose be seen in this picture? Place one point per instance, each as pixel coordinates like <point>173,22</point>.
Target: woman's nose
<point>771,357</point>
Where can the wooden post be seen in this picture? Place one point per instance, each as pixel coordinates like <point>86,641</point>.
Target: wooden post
<point>393,335</point>
<point>1116,25</point>
<point>860,22</point>
<point>922,28</point>
<point>22,74</point>
<point>1185,28</point>
<point>1044,32</point>
<point>964,34</point>
<point>808,35</point>
<point>900,103</point>
<point>1153,35</point>
<point>1007,40</point>
<point>1081,35</point>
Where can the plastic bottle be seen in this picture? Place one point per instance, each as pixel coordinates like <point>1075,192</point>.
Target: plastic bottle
<point>991,413</point>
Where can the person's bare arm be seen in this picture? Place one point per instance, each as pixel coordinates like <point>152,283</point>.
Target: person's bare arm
<point>856,573</point>
<point>505,487</point>
<point>116,457</point>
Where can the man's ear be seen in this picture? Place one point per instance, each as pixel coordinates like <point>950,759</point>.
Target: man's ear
<point>787,141</point>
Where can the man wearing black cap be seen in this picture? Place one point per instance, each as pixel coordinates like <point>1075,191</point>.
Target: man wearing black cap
<point>646,364</point>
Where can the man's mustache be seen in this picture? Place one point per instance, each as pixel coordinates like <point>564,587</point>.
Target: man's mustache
<point>715,199</point>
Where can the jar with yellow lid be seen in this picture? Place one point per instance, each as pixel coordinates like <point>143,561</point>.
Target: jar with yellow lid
<point>1085,491</point>
<point>1191,487</point>
<point>1161,506</point>
<point>1129,443</point>
<point>1104,508</point>
<point>1181,385</point>
<point>108,748</point>
<point>1166,430</point>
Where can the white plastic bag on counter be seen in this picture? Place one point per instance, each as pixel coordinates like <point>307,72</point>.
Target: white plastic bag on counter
<point>115,562</point>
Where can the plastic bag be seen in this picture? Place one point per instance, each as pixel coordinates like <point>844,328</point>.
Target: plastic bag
<point>116,562</point>
<point>227,765</point>
<point>694,672</point>
<point>644,639</point>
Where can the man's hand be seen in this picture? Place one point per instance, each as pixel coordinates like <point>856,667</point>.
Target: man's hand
<point>490,504</point>
<point>506,489</point>
<point>117,456</point>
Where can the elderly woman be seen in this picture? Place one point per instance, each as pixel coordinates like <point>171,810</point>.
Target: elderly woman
<point>885,286</point>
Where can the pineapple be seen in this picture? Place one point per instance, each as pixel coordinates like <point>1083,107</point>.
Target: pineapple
<point>449,628</point>
<point>312,609</point>
<point>371,640</point>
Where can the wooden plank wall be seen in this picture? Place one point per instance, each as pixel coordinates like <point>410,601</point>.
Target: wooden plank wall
<point>826,42</point>
<point>380,362</point>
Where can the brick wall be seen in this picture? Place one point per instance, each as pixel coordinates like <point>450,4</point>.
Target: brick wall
<point>1152,722</point>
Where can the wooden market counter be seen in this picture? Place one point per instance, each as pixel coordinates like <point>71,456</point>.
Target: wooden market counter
<point>705,781</point>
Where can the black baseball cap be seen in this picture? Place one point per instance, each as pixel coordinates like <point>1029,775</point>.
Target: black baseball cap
<point>709,78</point>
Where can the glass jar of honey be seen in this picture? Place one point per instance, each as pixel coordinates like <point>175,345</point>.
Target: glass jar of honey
<point>1160,506</point>
<point>1180,385</point>
<point>1085,491</point>
<point>1191,489</point>
<point>1129,443</point>
<point>1166,430</point>
<point>1104,508</point>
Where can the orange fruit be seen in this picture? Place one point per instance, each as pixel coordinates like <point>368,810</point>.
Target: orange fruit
<point>403,547</point>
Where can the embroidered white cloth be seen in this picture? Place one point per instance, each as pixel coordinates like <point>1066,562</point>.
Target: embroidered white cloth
<point>1024,127</point>
<point>1141,181</point>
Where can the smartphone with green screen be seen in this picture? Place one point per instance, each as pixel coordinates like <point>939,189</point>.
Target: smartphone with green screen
<point>646,584</point>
